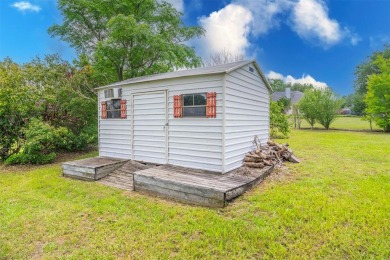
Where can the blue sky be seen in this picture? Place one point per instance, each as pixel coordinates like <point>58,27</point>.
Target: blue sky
<point>312,41</point>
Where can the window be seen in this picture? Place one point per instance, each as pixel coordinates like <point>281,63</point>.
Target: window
<point>114,108</point>
<point>109,93</point>
<point>251,69</point>
<point>194,105</point>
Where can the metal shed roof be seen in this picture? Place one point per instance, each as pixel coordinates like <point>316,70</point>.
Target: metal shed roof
<point>218,69</point>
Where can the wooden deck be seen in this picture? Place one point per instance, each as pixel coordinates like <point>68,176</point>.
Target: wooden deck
<point>122,178</point>
<point>187,185</point>
<point>194,186</point>
<point>91,169</point>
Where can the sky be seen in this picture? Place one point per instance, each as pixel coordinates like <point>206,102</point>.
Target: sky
<point>307,41</point>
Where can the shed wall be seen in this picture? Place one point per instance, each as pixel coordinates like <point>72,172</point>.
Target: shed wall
<point>247,114</point>
<point>192,142</point>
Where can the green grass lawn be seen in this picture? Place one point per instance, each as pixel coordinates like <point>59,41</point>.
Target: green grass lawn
<point>335,204</point>
<point>347,123</point>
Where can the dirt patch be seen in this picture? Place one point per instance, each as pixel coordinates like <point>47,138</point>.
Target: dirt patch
<point>279,173</point>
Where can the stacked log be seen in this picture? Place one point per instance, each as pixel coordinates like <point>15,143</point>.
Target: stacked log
<point>269,155</point>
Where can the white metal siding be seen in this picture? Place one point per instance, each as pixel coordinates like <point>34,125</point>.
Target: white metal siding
<point>149,118</point>
<point>192,142</point>
<point>115,134</point>
<point>247,114</point>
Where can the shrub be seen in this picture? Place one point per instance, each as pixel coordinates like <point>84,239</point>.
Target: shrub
<point>278,121</point>
<point>67,140</point>
<point>22,158</point>
<point>39,144</point>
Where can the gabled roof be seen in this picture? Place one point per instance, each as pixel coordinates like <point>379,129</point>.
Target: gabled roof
<point>295,96</point>
<point>218,69</point>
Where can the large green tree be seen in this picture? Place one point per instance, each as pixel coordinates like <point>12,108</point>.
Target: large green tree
<point>362,73</point>
<point>378,93</point>
<point>127,38</point>
<point>367,68</point>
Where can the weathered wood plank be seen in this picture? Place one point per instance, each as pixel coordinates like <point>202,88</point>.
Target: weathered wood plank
<point>78,168</point>
<point>207,192</point>
<point>186,178</point>
<point>177,195</point>
<point>233,193</point>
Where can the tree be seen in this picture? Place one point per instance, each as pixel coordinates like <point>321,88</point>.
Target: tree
<point>327,107</point>
<point>296,115</point>
<point>223,57</point>
<point>125,39</point>
<point>277,85</point>
<point>285,103</point>
<point>278,121</point>
<point>17,104</point>
<point>319,105</point>
<point>308,106</point>
<point>367,68</point>
<point>378,93</point>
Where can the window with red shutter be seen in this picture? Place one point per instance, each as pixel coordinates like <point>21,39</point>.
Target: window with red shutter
<point>177,106</point>
<point>103,110</point>
<point>211,105</point>
<point>123,109</point>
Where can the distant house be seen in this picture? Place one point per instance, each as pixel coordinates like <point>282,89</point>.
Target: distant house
<point>345,111</point>
<point>293,96</point>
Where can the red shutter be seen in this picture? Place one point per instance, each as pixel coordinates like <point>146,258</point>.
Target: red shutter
<point>177,106</point>
<point>211,104</point>
<point>103,110</point>
<point>123,109</point>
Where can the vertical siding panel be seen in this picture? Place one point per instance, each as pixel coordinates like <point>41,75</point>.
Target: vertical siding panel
<point>247,114</point>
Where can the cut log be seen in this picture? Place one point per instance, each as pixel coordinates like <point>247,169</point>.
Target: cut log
<point>270,143</point>
<point>268,162</point>
<point>252,159</point>
<point>253,156</point>
<point>254,165</point>
<point>294,159</point>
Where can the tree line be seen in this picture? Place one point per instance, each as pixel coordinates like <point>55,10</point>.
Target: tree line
<point>48,104</point>
<point>371,98</point>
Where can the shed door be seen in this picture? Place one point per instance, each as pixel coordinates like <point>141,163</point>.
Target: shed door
<point>150,128</point>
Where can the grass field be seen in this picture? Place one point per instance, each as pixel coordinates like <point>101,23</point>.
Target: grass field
<point>335,204</point>
<point>346,123</point>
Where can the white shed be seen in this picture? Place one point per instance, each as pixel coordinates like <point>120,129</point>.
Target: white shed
<point>203,118</point>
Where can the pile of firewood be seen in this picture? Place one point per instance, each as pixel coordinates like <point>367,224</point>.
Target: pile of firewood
<point>269,155</point>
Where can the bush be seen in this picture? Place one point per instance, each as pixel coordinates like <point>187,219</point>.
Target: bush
<point>278,121</point>
<point>67,140</point>
<point>22,158</point>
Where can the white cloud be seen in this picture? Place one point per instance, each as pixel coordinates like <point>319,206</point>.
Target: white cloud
<point>274,75</point>
<point>26,6</point>
<point>266,13</point>
<point>178,4</point>
<point>311,21</point>
<point>305,79</point>
<point>227,29</point>
<point>233,27</point>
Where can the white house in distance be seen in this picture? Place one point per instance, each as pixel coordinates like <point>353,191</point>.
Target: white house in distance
<point>293,96</point>
<point>204,118</point>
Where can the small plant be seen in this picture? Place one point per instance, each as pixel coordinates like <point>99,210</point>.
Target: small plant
<point>278,121</point>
